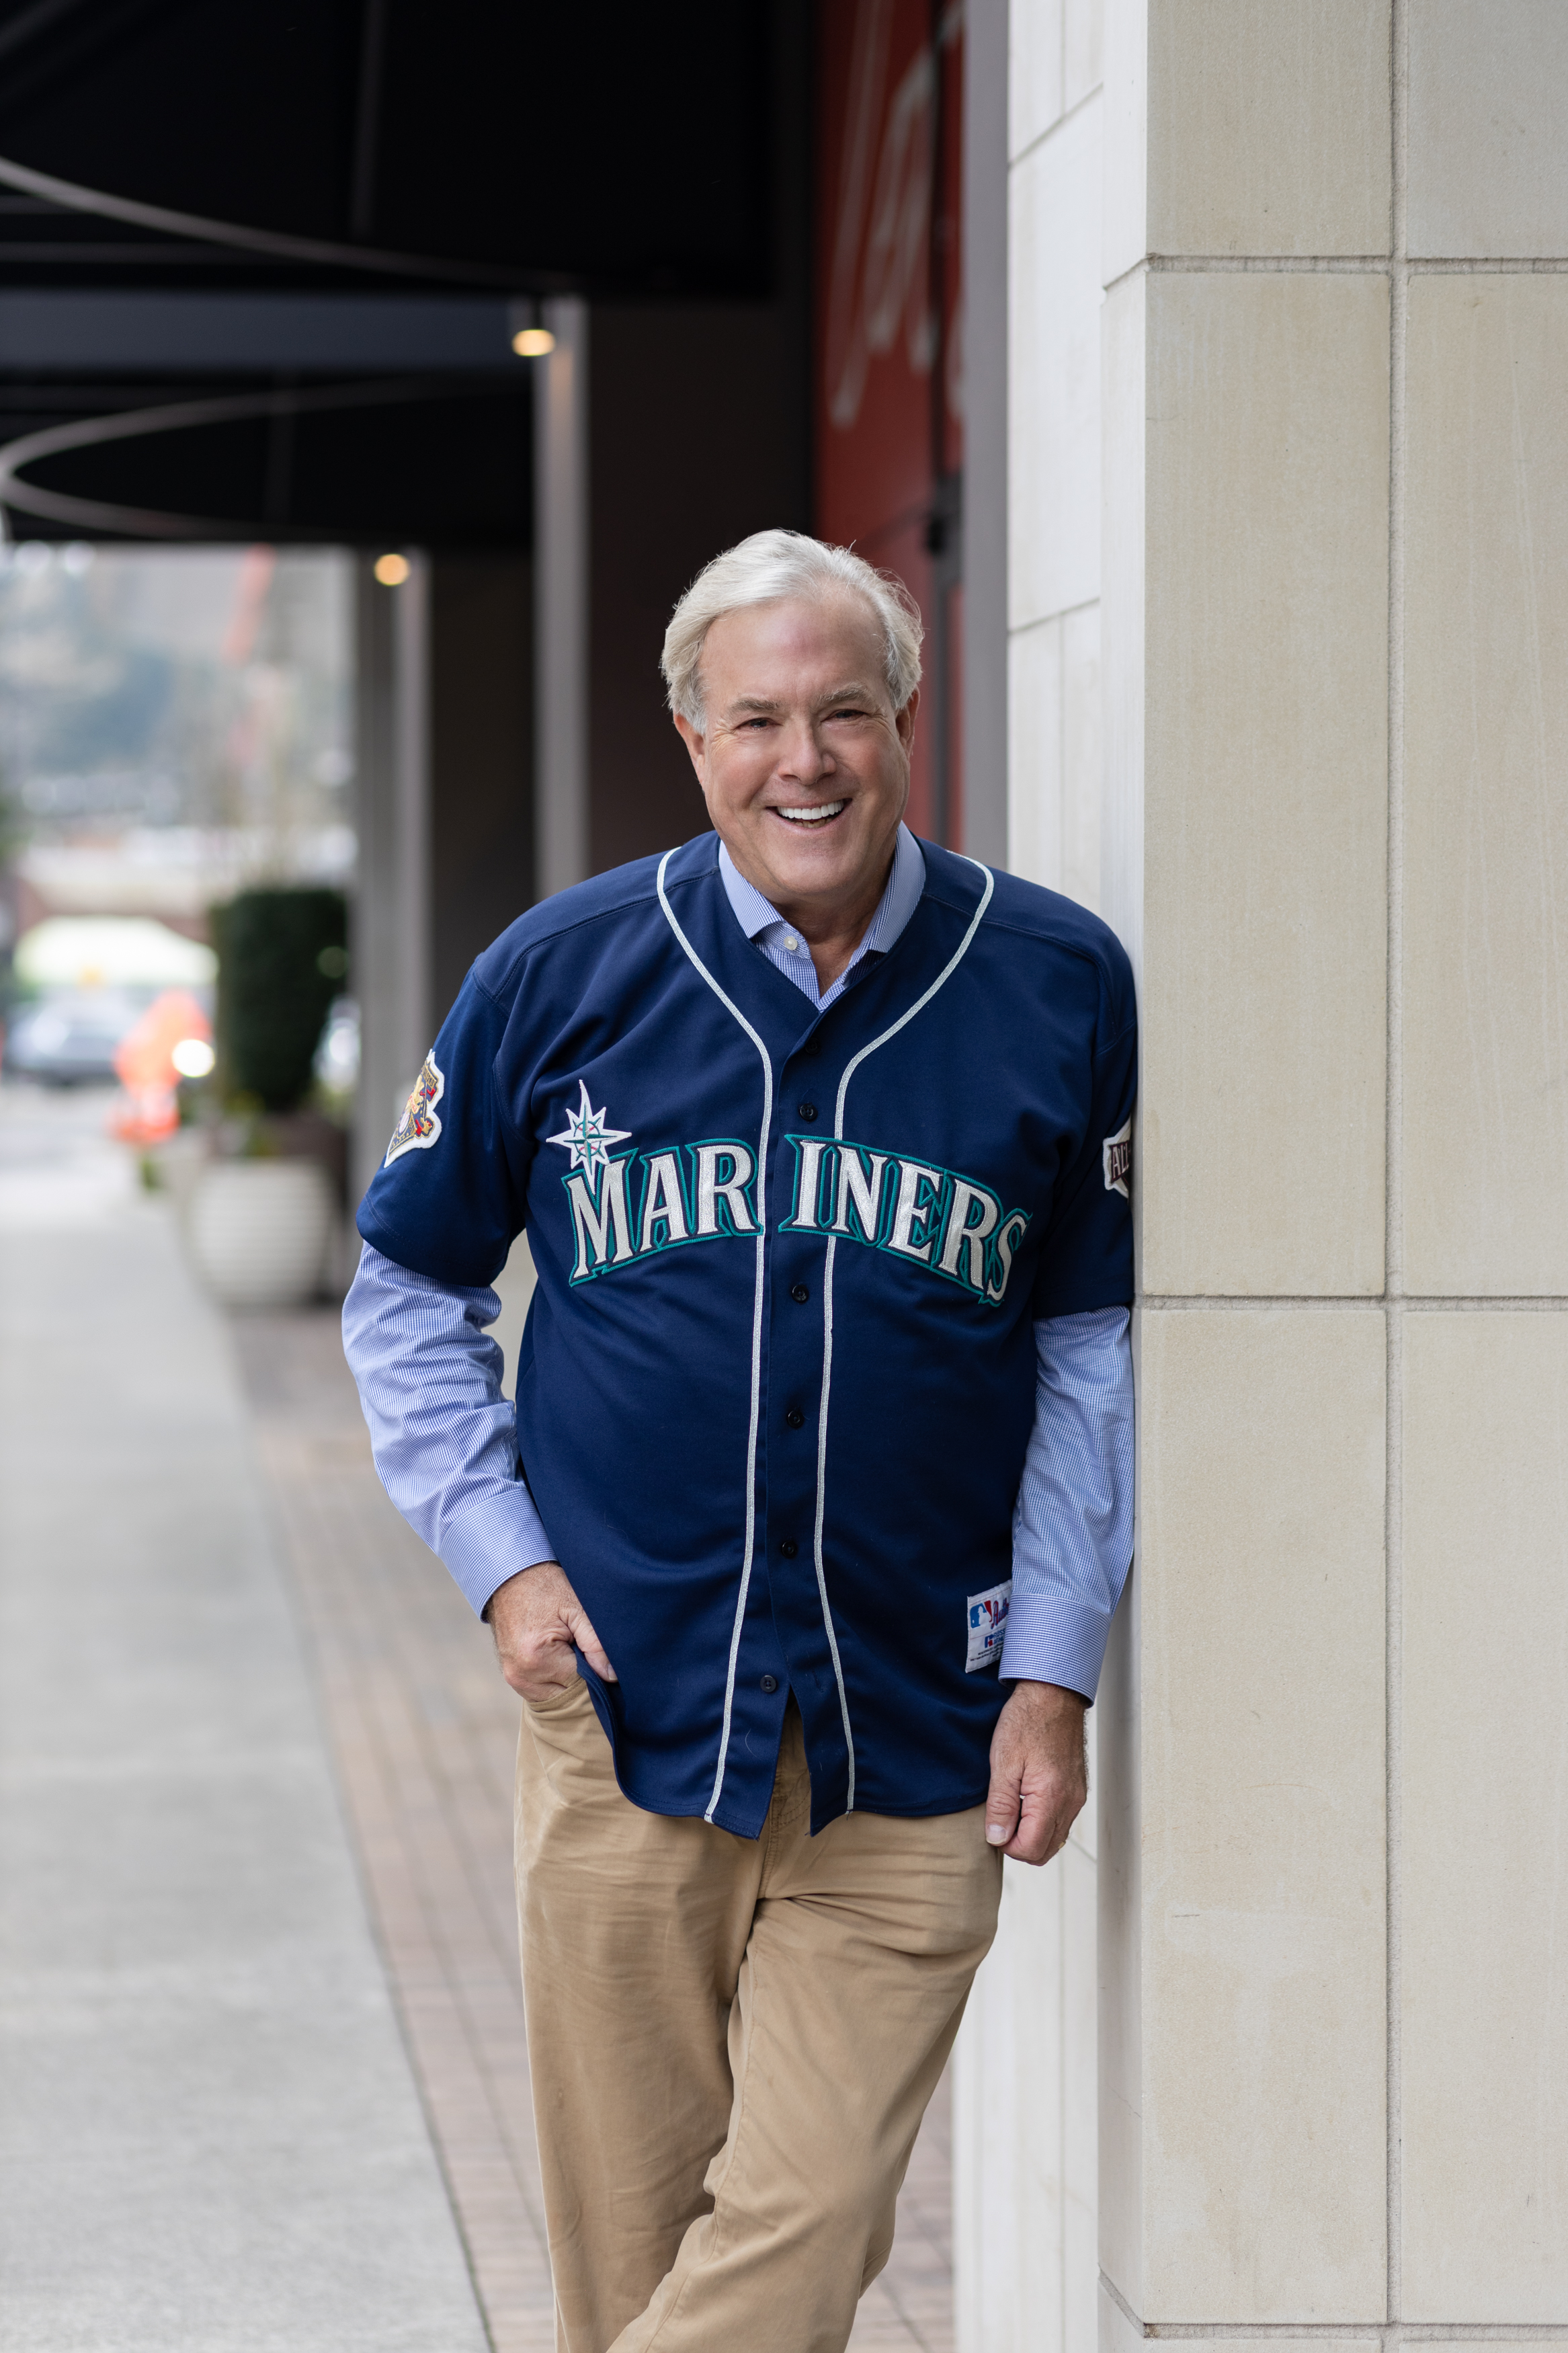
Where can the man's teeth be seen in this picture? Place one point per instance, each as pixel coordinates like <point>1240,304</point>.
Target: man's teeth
<point>817,816</point>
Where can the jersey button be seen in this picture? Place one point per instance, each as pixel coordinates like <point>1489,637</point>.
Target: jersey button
<point>789,1548</point>
<point>807,1111</point>
<point>812,1046</point>
<point>768,1683</point>
<point>799,1293</point>
<point>795,1418</point>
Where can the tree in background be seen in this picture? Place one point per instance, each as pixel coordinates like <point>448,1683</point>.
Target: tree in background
<point>282,956</point>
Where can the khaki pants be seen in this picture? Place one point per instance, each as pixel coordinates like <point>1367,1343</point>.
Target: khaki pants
<point>732,2043</point>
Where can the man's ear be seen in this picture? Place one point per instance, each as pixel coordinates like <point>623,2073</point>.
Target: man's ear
<point>695,743</point>
<point>904,720</point>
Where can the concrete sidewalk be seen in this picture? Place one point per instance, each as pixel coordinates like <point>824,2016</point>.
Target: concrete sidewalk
<point>210,2136</point>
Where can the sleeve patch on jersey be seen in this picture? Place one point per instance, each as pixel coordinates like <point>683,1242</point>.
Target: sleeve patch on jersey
<point>1117,1151</point>
<point>986,1615</point>
<point>418,1128</point>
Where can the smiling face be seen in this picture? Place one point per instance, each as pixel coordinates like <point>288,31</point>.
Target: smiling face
<point>803,761</point>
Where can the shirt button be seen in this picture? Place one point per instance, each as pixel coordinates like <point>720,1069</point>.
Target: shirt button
<point>807,1111</point>
<point>795,1418</point>
<point>789,1548</point>
<point>792,943</point>
<point>799,1293</point>
<point>769,1683</point>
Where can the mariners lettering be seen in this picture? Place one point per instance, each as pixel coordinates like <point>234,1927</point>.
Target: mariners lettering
<point>917,1198</point>
<point>859,1192</point>
<point>723,1173</point>
<point>634,1206</point>
<point>663,1210</point>
<point>604,1235</point>
<point>696,1192</point>
<point>952,1225</point>
<point>973,1217</point>
<point>808,1179</point>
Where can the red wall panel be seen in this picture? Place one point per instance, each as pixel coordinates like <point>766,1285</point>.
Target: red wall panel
<point>888,356</point>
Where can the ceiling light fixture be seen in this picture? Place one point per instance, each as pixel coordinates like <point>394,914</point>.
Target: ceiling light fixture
<point>533,342</point>
<point>392,571</point>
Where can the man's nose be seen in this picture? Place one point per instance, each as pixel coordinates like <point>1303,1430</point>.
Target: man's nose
<point>802,754</point>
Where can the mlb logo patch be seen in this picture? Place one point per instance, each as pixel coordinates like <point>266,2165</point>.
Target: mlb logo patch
<point>987,1615</point>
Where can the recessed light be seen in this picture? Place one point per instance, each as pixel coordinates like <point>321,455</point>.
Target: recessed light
<point>392,571</point>
<point>533,342</point>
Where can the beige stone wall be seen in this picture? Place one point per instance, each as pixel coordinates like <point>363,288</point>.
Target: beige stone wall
<point>1025,2257</point>
<point>1288,702</point>
<point>1333,614</point>
<point>1055,123</point>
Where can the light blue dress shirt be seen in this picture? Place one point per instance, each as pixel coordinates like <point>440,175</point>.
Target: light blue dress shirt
<point>445,1437</point>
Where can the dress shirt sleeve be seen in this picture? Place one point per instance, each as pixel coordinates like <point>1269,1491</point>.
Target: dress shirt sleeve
<point>1073,1524</point>
<point>444,1437</point>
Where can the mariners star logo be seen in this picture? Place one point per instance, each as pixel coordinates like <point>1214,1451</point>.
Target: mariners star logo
<point>586,1137</point>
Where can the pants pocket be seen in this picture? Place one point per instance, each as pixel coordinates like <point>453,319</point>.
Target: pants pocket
<point>575,1689</point>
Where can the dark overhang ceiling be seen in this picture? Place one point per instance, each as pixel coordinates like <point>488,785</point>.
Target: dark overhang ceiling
<point>529,148</point>
<point>427,458</point>
<point>260,265</point>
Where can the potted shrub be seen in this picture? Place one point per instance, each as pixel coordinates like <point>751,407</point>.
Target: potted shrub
<point>263,1213</point>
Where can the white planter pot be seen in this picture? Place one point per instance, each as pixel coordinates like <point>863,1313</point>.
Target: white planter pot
<point>259,1231</point>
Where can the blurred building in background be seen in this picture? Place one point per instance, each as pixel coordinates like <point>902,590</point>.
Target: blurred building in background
<point>174,725</point>
<point>1201,364</point>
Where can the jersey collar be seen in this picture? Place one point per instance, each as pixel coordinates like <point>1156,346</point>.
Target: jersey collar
<point>762,922</point>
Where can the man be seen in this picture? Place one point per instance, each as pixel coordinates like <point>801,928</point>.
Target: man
<point>820,1135</point>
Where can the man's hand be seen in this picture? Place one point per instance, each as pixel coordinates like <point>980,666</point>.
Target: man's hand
<point>536,1618</point>
<point>1039,1774</point>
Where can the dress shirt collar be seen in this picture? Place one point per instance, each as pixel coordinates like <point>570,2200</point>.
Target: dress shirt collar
<point>898,902</point>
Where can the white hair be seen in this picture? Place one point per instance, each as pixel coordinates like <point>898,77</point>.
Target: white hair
<point>768,566</point>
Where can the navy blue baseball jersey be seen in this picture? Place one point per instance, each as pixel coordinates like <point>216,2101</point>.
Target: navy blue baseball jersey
<point>778,1375</point>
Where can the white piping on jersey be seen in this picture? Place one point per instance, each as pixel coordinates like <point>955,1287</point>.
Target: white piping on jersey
<point>822,1505</point>
<point>731,1008</point>
<point>891,1031</point>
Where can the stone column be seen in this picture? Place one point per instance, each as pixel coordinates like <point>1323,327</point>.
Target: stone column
<point>1479,2176</point>
<point>1305,498</point>
<point>1334,1805</point>
<point>1024,2095</point>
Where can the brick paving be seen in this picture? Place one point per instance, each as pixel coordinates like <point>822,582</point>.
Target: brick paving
<point>424,1733</point>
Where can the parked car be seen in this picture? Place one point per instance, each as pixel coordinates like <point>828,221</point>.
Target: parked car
<point>69,1038</point>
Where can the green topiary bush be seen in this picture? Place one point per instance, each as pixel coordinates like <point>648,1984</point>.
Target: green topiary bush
<point>283,955</point>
